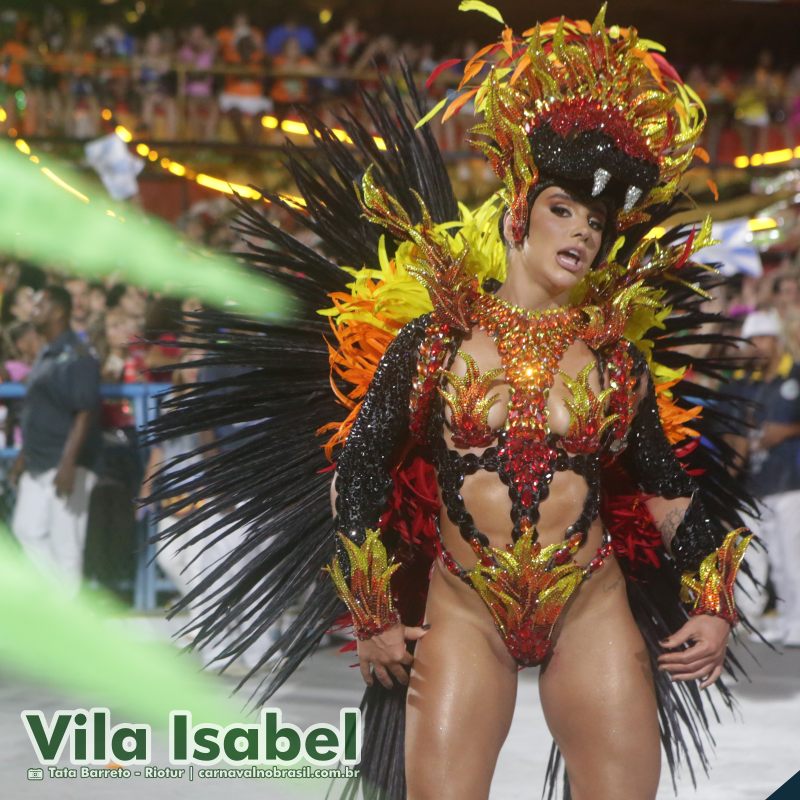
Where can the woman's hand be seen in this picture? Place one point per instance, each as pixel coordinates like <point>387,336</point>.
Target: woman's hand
<point>387,653</point>
<point>707,637</point>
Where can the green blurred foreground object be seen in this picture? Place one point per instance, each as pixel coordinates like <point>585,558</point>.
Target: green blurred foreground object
<point>74,645</point>
<point>51,217</point>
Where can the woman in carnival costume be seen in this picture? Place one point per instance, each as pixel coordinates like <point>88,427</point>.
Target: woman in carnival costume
<point>519,477</point>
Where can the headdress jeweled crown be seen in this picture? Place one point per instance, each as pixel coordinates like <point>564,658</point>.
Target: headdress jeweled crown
<point>580,102</point>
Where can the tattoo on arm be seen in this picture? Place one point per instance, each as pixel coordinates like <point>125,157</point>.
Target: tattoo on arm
<point>670,524</point>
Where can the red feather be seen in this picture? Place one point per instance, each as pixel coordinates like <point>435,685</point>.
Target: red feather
<point>451,62</point>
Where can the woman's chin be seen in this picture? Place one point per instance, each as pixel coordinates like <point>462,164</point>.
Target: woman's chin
<point>564,280</point>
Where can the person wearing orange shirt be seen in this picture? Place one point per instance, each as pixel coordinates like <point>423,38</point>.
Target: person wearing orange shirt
<point>293,89</point>
<point>12,78</point>
<point>244,90</point>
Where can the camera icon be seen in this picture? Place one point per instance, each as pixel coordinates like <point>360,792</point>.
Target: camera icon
<point>35,774</point>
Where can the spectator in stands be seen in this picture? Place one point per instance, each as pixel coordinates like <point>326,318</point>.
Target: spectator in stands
<point>755,101</point>
<point>110,341</point>
<point>291,29</point>
<point>37,75</point>
<point>113,42</point>
<point>243,97</point>
<point>346,46</point>
<point>347,43</point>
<point>791,326</point>
<point>718,94</point>
<point>228,38</point>
<point>133,303</point>
<point>17,305</point>
<point>786,293</point>
<point>791,104</point>
<point>326,85</point>
<point>56,88</point>
<point>12,78</point>
<point>290,88</point>
<point>97,301</point>
<point>61,439</point>
<point>162,331</point>
<point>82,111</point>
<point>78,289</point>
<point>197,57</point>
<point>376,57</point>
<point>22,345</point>
<point>773,466</point>
<point>155,82</point>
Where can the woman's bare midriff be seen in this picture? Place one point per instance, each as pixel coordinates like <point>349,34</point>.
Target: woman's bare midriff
<point>602,594</point>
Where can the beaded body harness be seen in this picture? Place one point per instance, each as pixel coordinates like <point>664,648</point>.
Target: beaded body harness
<point>525,586</point>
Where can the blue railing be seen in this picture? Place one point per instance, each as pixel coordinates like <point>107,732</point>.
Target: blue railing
<point>144,399</point>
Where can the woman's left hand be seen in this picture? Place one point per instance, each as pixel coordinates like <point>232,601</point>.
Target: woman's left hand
<point>707,637</point>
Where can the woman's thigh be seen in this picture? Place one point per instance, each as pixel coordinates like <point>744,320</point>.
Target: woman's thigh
<point>598,696</point>
<point>461,698</point>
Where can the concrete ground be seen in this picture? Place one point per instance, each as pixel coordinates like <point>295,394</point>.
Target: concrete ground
<point>756,752</point>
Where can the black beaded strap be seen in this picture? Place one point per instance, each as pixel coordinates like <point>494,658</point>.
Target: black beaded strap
<point>452,467</point>
<point>364,466</point>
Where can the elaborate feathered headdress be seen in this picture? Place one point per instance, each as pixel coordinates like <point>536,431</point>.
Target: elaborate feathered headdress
<point>583,103</point>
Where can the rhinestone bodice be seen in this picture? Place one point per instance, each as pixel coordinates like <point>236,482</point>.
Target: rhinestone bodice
<point>526,455</point>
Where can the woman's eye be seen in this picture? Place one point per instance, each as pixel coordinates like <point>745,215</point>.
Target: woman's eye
<point>596,224</point>
<point>560,211</point>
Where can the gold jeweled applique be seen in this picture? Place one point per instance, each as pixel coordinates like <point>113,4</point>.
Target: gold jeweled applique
<point>526,587</point>
<point>470,403</point>
<point>711,589</point>
<point>587,419</point>
<point>367,594</point>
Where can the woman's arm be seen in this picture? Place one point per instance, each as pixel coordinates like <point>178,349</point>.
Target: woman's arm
<point>361,570</point>
<point>707,557</point>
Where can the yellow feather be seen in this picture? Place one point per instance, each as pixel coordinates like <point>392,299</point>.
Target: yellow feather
<point>483,8</point>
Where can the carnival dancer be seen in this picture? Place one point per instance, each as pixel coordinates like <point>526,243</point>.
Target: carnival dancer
<point>519,480</point>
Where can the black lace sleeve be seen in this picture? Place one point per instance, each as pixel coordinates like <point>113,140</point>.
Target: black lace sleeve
<point>653,465</point>
<point>379,431</point>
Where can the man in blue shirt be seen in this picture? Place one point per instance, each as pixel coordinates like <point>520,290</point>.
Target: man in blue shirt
<point>60,443</point>
<point>773,468</point>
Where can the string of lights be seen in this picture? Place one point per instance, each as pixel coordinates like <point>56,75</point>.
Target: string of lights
<point>288,126</point>
<point>297,128</point>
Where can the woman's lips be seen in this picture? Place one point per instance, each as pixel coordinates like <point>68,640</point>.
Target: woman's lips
<point>571,260</point>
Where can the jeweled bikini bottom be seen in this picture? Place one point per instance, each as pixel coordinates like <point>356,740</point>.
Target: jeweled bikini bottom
<point>526,587</point>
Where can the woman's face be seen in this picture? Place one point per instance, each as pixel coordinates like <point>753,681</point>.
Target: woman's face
<point>564,237</point>
<point>118,329</point>
<point>132,302</point>
<point>97,300</point>
<point>22,307</point>
<point>28,345</point>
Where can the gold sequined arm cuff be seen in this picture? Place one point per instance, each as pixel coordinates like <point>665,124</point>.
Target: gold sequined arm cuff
<point>367,594</point>
<point>710,590</point>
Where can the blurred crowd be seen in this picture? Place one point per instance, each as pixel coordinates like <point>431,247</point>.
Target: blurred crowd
<point>183,83</point>
<point>65,336</point>
<point>170,84</point>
